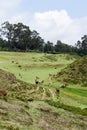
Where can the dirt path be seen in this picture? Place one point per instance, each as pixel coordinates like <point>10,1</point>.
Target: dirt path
<point>44,94</point>
<point>52,93</point>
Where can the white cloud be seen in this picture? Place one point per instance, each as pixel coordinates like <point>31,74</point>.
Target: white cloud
<point>8,9</point>
<point>58,25</point>
<point>52,25</point>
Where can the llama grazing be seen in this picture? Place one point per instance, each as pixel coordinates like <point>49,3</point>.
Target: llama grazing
<point>63,85</point>
<point>3,92</point>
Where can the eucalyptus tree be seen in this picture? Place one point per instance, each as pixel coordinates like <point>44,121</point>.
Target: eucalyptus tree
<point>49,47</point>
<point>37,42</point>
<point>7,32</point>
<point>17,35</point>
<point>22,35</point>
<point>82,45</point>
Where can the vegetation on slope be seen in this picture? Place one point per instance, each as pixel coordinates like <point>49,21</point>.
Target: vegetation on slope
<point>26,66</point>
<point>23,91</point>
<point>76,72</point>
<point>29,107</point>
<point>39,107</point>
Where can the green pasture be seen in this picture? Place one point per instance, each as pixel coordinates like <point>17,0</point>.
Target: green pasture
<point>74,97</point>
<point>38,107</point>
<point>26,66</point>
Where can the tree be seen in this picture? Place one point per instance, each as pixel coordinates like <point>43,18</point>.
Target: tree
<point>22,35</point>
<point>64,48</point>
<point>17,35</point>
<point>82,46</point>
<point>48,47</point>
<point>37,42</point>
<point>58,46</point>
<point>3,44</point>
<point>7,31</point>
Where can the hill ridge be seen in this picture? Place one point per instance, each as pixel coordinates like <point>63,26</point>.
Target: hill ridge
<point>75,73</point>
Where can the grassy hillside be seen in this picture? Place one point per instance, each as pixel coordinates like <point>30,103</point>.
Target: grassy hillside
<point>75,72</point>
<point>26,66</point>
<point>38,107</point>
<point>29,107</point>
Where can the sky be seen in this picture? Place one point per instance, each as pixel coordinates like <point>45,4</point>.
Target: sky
<point>64,20</point>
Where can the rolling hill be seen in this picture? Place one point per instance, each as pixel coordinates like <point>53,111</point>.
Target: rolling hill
<point>75,72</point>
<point>31,107</point>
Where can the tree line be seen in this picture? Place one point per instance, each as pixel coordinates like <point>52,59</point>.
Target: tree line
<point>19,37</point>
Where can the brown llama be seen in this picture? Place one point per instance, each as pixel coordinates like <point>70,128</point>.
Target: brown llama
<point>3,92</point>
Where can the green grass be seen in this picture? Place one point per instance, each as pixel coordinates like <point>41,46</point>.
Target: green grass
<point>77,91</point>
<point>33,64</point>
<point>31,107</point>
<point>75,73</point>
<point>75,110</point>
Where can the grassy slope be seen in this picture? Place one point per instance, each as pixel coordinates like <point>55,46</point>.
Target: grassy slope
<point>75,72</point>
<point>29,107</point>
<point>33,64</point>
